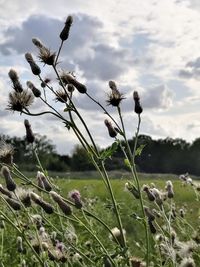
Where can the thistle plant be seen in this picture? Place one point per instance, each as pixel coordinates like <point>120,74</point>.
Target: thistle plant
<point>46,220</point>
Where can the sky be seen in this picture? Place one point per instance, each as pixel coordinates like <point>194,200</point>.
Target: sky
<point>151,46</point>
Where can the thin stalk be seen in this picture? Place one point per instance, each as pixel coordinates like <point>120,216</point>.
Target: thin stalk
<point>59,50</point>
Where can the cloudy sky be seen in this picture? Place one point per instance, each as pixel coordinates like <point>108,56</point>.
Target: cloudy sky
<point>151,46</point>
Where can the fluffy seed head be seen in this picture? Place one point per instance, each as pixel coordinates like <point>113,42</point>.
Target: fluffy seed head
<point>19,101</point>
<point>15,81</point>
<point>6,152</point>
<point>61,96</point>
<point>169,188</point>
<point>116,232</point>
<point>115,97</point>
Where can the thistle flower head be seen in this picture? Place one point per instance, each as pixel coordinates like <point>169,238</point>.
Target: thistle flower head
<point>45,82</point>
<point>117,234</point>
<point>61,96</point>
<point>138,107</point>
<point>111,130</point>
<point>19,101</point>
<point>149,193</point>
<point>40,202</point>
<point>34,67</point>
<point>6,152</point>
<point>13,203</point>
<point>66,209</point>
<point>47,56</point>
<point>10,184</point>
<point>65,32</point>
<point>37,43</point>
<point>169,188</point>
<point>45,183</point>
<point>29,133</point>
<point>24,196</point>
<point>76,197</point>
<point>15,81</point>
<point>115,97</point>
<point>34,90</point>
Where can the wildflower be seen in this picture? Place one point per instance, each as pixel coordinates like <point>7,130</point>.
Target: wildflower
<point>61,96</point>
<point>132,189</point>
<point>66,209</point>
<point>76,197</point>
<point>112,131</point>
<point>34,67</point>
<point>45,183</point>
<point>19,101</point>
<point>15,81</point>
<point>187,262</point>
<point>45,54</point>
<point>65,32</point>
<point>115,97</point>
<point>157,195</point>
<point>6,152</point>
<point>29,134</point>
<point>20,248</point>
<point>13,203</point>
<point>169,188</point>
<point>117,234</point>
<point>138,108</point>
<point>34,90</point>
<point>5,192</point>
<point>10,184</point>
<point>43,204</point>
<point>68,78</point>
<point>149,193</point>
<point>45,82</point>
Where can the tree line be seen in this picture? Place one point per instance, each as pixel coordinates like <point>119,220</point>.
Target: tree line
<point>155,156</point>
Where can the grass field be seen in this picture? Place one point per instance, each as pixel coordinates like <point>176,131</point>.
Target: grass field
<point>96,200</point>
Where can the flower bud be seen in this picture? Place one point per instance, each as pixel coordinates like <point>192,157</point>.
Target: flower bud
<point>76,197</point>
<point>112,132</point>
<point>34,90</point>
<point>169,188</point>
<point>66,209</point>
<point>65,32</point>
<point>43,204</point>
<point>132,189</point>
<point>15,81</point>
<point>45,182</point>
<point>10,184</point>
<point>34,67</point>
<point>138,108</point>
<point>29,134</point>
<point>149,193</point>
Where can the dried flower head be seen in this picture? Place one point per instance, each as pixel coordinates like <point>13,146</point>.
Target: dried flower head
<point>43,204</point>
<point>76,197</point>
<point>15,81</point>
<point>111,130</point>
<point>149,193</point>
<point>37,43</point>
<point>6,152</point>
<point>34,90</point>
<point>138,107</point>
<point>117,234</point>
<point>115,97</point>
<point>169,188</point>
<point>34,67</point>
<point>47,56</point>
<point>68,78</point>
<point>149,214</point>
<point>10,184</point>
<point>66,209</point>
<point>19,101</point>
<point>187,262</point>
<point>65,32</point>
<point>45,183</point>
<point>61,96</point>
<point>29,133</point>
<point>24,196</point>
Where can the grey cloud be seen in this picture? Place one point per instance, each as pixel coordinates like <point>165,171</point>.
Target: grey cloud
<point>191,70</point>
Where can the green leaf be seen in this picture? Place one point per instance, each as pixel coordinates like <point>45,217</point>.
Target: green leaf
<point>108,152</point>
